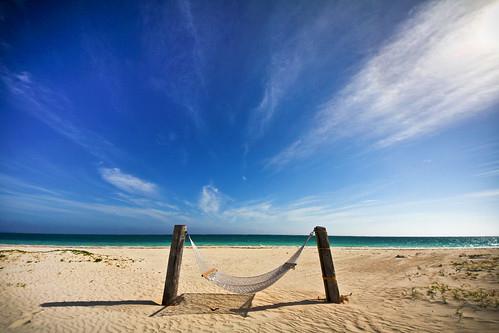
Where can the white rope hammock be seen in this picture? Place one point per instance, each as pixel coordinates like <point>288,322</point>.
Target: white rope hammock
<point>249,284</point>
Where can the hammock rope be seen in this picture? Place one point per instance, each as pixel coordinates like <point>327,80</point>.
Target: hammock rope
<point>244,284</point>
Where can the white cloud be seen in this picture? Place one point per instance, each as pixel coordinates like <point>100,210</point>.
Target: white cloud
<point>210,200</point>
<point>127,182</point>
<point>441,66</point>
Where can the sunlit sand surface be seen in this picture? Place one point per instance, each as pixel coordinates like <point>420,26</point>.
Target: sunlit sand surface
<point>120,290</point>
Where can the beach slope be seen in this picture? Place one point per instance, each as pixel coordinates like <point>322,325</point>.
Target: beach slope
<point>48,289</point>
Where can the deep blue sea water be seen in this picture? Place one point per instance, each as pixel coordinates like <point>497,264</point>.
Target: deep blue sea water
<point>245,240</point>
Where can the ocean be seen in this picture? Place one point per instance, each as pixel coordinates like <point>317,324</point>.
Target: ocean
<point>246,240</point>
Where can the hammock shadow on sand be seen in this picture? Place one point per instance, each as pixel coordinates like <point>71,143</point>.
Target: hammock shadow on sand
<point>209,303</point>
<point>236,304</point>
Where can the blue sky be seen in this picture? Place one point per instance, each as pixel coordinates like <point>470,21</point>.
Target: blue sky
<point>368,117</point>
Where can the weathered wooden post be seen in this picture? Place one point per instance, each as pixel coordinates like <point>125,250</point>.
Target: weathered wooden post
<point>174,263</point>
<point>327,266</point>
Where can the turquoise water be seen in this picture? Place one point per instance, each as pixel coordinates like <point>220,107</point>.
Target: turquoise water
<point>245,240</point>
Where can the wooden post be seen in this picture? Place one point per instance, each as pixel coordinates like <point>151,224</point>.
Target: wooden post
<point>174,263</point>
<point>327,266</point>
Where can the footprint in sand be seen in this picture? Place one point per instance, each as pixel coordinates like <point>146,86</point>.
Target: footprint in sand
<point>25,319</point>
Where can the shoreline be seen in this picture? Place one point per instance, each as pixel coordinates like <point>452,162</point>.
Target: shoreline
<point>256,247</point>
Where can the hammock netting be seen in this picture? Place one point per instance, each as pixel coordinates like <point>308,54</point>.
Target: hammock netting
<point>244,284</point>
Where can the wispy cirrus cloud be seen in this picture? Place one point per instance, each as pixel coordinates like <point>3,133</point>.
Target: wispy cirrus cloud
<point>447,215</point>
<point>440,67</point>
<point>345,212</point>
<point>289,55</point>
<point>210,199</point>
<point>173,44</point>
<point>11,204</point>
<point>283,73</point>
<point>488,169</point>
<point>21,201</point>
<point>55,110</point>
<point>301,50</point>
<point>127,182</point>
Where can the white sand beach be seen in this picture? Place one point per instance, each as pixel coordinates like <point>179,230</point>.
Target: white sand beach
<point>48,289</point>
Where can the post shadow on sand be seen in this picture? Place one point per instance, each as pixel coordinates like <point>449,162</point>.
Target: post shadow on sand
<point>286,304</point>
<point>97,303</point>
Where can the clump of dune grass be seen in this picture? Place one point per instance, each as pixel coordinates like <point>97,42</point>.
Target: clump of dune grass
<point>483,298</point>
<point>75,252</point>
<point>476,263</point>
<point>4,254</point>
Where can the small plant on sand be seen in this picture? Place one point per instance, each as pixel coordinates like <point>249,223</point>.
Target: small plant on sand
<point>471,266</point>
<point>4,254</point>
<point>75,252</point>
<point>478,256</point>
<point>465,295</point>
<point>12,251</point>
<point>459,314</point>
<point>415,294</point>
<point>345,298</point>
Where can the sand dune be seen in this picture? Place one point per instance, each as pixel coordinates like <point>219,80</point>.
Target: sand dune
<point>118,289</point>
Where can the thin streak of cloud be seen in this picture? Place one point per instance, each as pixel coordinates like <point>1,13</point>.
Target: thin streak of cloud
<point>284,70</point>
<point>185,8</point>
<point>488,169</point>
<point>126,182</point>
<point>440,67</point>
<point>172,43</point>
<point>7,183</point>
<point>144,201</point>
<point>40,203</point>
<point>18,198</point>
<point>54,110</point>
<point>289,57</point>
<point>484,194</point>
<point>489,173</point>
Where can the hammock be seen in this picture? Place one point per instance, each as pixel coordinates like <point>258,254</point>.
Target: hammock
<point>249,284</point>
